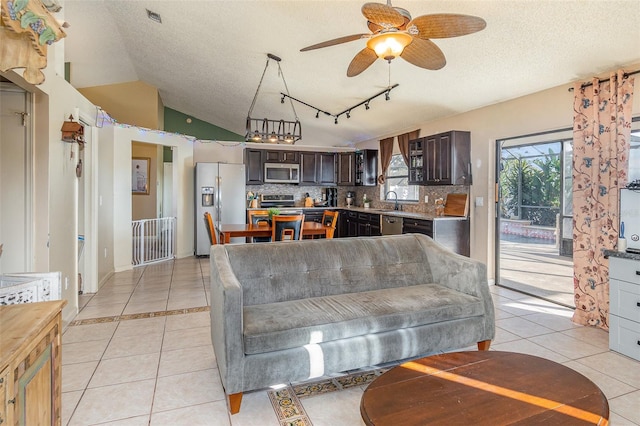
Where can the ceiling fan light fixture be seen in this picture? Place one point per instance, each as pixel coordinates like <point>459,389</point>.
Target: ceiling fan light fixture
<point>389,45</point>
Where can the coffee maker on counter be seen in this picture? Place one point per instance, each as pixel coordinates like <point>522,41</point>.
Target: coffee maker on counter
<point>350,197</point>
<point>331,197</point>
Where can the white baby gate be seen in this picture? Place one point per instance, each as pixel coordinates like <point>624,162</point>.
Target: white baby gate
<point>153,240</point>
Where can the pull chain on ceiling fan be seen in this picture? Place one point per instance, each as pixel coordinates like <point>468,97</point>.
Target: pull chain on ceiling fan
<point>394,33</point>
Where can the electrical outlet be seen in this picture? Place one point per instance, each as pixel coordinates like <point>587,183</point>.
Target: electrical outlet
<point>66,283</point>
<point>479,201</point>
<point>426,198</point>
<point>105,252</point>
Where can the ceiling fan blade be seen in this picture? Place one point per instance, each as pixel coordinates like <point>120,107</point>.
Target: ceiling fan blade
<point>383,15</point>
<point>445,25</point>
<point>335,41</point>
<point>424,54</point>
<point>361,62</point>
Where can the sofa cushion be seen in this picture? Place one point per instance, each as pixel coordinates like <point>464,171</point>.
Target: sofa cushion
<point>282,325</point>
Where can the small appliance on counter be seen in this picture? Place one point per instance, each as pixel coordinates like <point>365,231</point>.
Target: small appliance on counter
<point>331,196</point>
<point>350,197</point>
<point>630,216</point>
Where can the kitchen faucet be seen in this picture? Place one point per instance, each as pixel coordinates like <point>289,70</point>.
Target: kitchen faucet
<point>386,196</point>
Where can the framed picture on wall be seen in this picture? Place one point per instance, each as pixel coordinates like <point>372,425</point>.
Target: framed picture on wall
<point>140,175</point>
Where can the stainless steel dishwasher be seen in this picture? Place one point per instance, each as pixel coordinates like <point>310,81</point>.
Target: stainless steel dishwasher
<point>391,225</point>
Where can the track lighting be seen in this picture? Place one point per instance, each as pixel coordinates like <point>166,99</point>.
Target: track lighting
<point>282,100</point>
<point>386,92</point>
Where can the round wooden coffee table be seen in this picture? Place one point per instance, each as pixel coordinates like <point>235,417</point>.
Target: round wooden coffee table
<point>483,387</point>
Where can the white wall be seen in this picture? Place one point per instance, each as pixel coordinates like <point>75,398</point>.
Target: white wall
<point>547,110</point>
<point>123,137</point>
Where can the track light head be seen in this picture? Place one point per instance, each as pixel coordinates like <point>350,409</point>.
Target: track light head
<point>366,106</point>
<point>387,96</point>
<point>335,121</point>
<point>348,114</point>
<point>317,113</point>
<point>282,100</point>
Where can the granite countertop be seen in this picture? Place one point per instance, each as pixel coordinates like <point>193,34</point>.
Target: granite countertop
<point>622,255</point>
<point>386,212</point>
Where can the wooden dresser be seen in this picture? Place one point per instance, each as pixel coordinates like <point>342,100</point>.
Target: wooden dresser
<point>30,363</point>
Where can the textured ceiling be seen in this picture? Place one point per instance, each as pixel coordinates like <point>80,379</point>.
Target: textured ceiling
<point>206,58</point>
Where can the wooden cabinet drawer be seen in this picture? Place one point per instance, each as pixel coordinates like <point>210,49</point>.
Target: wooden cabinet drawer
<point>625,300</point>
<point>624,336</point>
<point>624,270</point>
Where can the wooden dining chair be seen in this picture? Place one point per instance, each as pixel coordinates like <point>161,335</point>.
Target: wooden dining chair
<point>211,230</point>
<point>286,227</point>
<point>330,218</point>
<point>260,218</point>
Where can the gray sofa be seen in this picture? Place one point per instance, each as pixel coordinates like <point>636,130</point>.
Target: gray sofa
<point>292,311</point>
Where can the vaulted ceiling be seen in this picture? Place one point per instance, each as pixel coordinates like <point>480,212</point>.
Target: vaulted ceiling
<point>206,57</point>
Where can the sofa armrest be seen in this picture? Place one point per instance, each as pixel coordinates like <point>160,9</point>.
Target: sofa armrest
<point>226,320</point>
<point>462,274</point>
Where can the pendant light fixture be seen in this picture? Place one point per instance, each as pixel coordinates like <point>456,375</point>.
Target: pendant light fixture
<point>265,130</point>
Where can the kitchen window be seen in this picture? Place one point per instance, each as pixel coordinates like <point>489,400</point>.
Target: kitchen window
<point>397,180</point>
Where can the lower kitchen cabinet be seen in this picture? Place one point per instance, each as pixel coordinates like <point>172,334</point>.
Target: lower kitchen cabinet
<point>451,233</point>
<point>348,223</point>
<point>30,363</point>
<point>368,225</point>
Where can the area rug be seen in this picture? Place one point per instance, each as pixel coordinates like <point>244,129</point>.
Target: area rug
<point>286,401</point>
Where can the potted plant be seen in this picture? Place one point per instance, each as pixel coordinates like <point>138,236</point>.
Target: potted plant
<point>366,202</point>
<point>273,211</point>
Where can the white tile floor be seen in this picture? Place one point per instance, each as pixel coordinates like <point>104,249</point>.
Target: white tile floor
<point>162,370</point>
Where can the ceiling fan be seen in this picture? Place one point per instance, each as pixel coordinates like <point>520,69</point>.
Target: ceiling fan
<point>394,33</point>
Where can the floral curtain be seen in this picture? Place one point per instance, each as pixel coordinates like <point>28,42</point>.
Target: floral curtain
<point>601,131</point>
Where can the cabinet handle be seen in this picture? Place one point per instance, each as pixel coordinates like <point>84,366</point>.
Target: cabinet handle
<point>637,272</point>
<point>1,380</point>
<point>637,304</point>
<point>11,401</point>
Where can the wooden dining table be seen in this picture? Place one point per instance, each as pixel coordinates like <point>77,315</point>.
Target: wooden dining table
<point>232,230</point>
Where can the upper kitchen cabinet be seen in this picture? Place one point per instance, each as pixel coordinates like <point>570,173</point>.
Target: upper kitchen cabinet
<point>254,166</point>
<point>317,168</point>
<point>442,159</point>
<point>416,162</point>
<point>366,167</point>
<point>347,168</point>
<point>281,157</point>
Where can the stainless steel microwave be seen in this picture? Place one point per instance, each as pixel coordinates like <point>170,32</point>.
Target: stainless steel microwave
<point>281,173</point>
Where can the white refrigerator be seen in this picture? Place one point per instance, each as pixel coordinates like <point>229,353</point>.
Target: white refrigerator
<point>220,190</point>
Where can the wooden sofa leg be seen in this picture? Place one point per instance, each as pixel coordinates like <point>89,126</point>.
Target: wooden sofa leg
<point>234,402</point>
<point>484,345</point>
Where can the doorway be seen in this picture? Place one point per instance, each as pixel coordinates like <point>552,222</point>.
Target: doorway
<point>16,185</point>
<point>533,216</point>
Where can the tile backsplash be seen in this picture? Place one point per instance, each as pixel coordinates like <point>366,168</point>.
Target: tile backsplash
<point>373,193</point>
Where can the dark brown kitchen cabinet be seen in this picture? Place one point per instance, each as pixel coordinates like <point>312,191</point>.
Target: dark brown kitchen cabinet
<point>317,168</point>
<point>368,225</point>
<point>448,159</point>
<point>347,168</point>
<point>366,167</point>
<point>281,157</point>
<point>451,233</point>
<point>254,166</point>
<point>349,223</point>
<point>416,162</point>
<point>442,159</point>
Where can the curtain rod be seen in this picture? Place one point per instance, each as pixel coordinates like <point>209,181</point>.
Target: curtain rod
<point>625,75</point>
